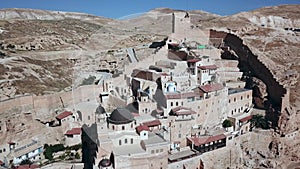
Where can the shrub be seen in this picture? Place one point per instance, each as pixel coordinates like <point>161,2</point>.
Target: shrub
<point>226,123</point>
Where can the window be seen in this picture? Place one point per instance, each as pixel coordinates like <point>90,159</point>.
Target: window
<point>181,103</point>
<point>125,141</point>
<point>157,151</point>
<point>247,96</point>
<point>176,103</point>
<point>0,151</point>
<point>123,127</point>
<point>241,97</point>
<point>234,99</point>
<point>145,134</point>
<point>89,117</point>
<point>131,140</point>
<point>161,150</point>
<point>113,127</point>
<point>152,152</point>
<point>229,100</point>
<point>179,135</point>
<point>4,150</point>
<point>171,103</point>
<point>120,142</point>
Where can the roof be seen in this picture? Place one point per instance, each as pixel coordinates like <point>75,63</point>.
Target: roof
<point>193,60</point>
<point>74,131</point>
<point>182,111</point>
<point>27,166</point>
<point>142,128</point>
<point>211,87</point>
<point>64,115</point>
<point>104,163</point>
<point>208,67</point>
<point>206,139</point>
<point>152,123</point>
<point>1,163</point>
<point>181,154</point>
<point>11,143</point>
<point>164,74</point>
<point>100,110</point>
<point>120,116</point>
<point>237,90</point>
<point>246,118</point>
<point>180,95</point>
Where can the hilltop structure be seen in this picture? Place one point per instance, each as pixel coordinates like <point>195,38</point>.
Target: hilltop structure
<point>166,111</point>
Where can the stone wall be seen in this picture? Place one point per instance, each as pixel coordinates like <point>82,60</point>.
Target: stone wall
<point>44,106</point>
<point>249,62</point>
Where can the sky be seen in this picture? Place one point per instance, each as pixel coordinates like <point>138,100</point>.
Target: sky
<point>120,8</point>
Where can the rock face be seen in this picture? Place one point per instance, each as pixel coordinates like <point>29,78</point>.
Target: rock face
<point>267,52</point>
<point>259,91</point>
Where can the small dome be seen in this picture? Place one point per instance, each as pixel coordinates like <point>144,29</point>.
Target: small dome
<point>100,110</point>
<point>104,163</point>
<point>120,116</point>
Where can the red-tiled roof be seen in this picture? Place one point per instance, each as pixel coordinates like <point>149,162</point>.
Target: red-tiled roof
<point>193,60</point>
<point>180,95</point>
<point>11,143</point>
<point>135,114</point>
<point>208,67</point>
<point>74,131</point>
<point>141,128</point>
<point>152,123</point>
<point>211,87</point>
<point>246,118</point>
<point>27,166</point>
<point>182,111</point>
<point>206,139</point>
<point>164,74</point>
<point>1,163</point>
<point>174,44</point>
<point>64,115</point>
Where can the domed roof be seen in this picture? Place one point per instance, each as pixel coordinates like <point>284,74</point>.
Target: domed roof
<point>120,116</point>
<point>104,163</point>
<point>100,110</point>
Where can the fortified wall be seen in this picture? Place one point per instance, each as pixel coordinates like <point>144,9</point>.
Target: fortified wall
<point>277,94</point>
<point>44,107</point>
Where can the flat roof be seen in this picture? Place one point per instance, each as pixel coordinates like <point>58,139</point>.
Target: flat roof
<point>154,139</point>
<point>236,90</point>
<point>181,154</point>
<point>130,149</point>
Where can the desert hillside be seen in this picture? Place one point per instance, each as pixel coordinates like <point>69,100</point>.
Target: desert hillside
<point>43,52</point>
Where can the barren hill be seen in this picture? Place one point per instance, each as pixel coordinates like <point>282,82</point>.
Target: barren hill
<point>49,51</point>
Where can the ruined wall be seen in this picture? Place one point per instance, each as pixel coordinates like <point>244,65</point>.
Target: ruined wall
<point>248,61</point>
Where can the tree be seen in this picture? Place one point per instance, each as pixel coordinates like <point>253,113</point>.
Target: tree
<point>226,123</point>
<point>77,156</point>
<point>259,121</point>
